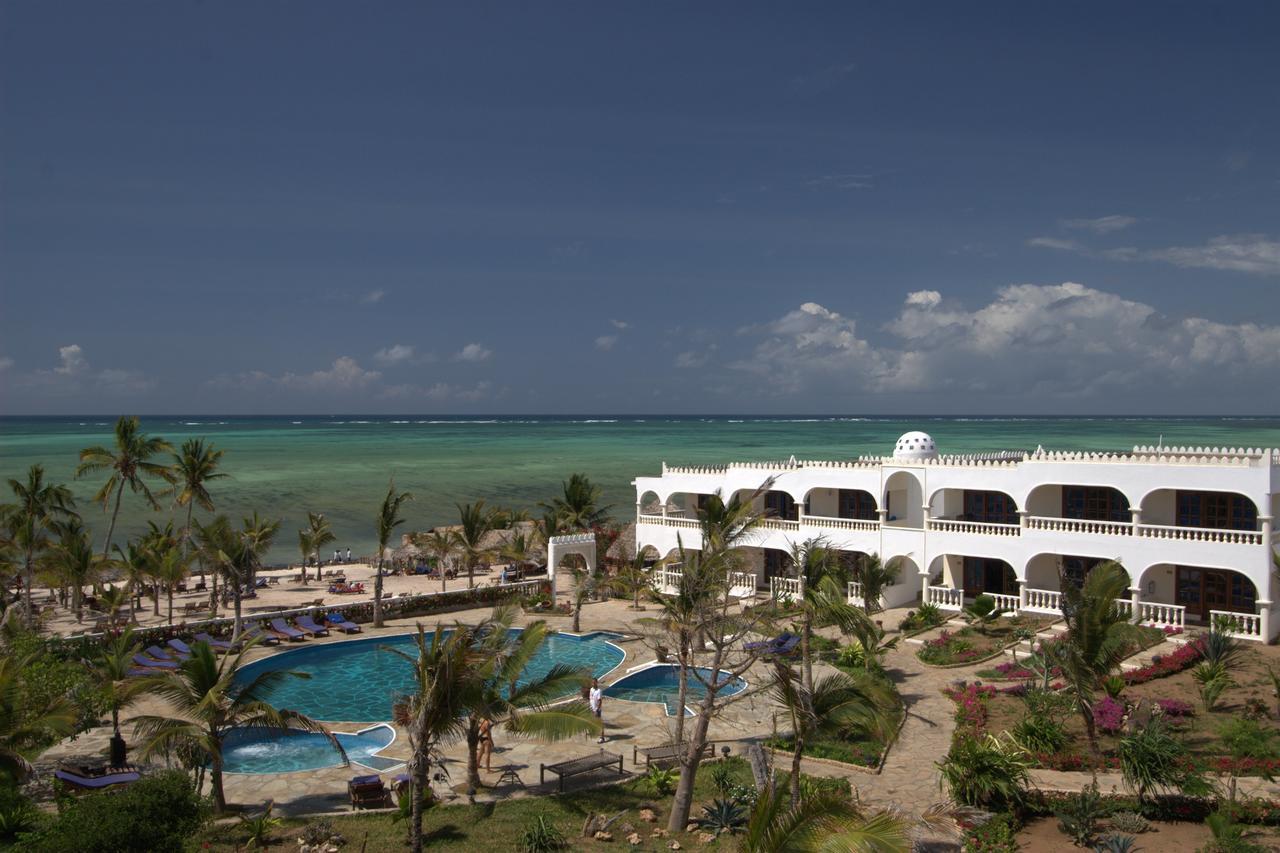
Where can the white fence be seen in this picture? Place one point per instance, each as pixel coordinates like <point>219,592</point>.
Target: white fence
<point>741,584</point>
<point>1076,525</point>
<point>839,523</point>
<point>1200,534</point>
<point>944,597</point>
<point>1246,626</point>
<point>786,589</point>
<point>1043,601</point>
<point>950,525</point>
<point>1007,603</point>
<point>667,578</point>
<point>1162,615</point>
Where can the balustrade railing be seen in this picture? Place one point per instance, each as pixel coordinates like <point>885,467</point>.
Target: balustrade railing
<point>1200,534</point>
<point>1043,601</point>
<point>1245,626</point>
<point>667,522</point>
<point>951,525</point>
<point>944,597</point>
<point>786,589</point>
<point>742,584</point>
<point>779,524</point>
<point>839,523</point>
<point>1124,608</point>
<point>1079,525</point>
<point>667,580</point>
<point>1162,615</point>
<point>1007,603</point>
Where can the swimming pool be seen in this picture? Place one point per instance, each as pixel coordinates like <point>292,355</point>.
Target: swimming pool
<point>358,680</point>
<point>265,751</point>
<point>661,683</point>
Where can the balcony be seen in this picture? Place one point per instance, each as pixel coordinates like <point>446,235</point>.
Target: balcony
<point>828,523</point>
<point>983,528</point>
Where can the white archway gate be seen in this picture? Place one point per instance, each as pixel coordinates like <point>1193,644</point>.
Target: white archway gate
<point>558,547</point>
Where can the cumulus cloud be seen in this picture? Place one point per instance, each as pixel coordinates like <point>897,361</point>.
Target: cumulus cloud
<point>345,374</point>
<point>1054,243</point>
<point>1101,225</point>
<point>472,352</point>
<point>394,354</point>
<point>620,324</point>
<point>73,374</point>
<point>373,297</point>
<point>1251,253</point>
<point>606,342</point>
<point>1064,340</point>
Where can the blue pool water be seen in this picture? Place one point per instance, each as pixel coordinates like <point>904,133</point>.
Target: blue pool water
<point>662,684</point>
<point>260,751</point>
<point>359,680</point>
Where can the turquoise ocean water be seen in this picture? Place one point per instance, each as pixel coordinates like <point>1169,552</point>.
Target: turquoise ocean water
<point>284,466</point>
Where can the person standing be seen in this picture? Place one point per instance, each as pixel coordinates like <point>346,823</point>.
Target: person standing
<point>595,698</point>
<point>485,750</point>
<point>348,555</point>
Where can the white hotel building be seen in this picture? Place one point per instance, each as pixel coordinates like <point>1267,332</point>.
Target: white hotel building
<point>1193,526</point>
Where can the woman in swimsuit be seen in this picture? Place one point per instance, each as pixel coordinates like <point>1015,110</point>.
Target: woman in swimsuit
<point>485,752</point>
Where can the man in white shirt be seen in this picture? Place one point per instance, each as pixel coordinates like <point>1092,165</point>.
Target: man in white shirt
<point>596,700</point>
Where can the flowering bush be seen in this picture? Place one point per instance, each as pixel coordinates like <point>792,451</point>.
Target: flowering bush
<point>1159,667</point>
<point>1108,714</point>
<point>1175,708</point>
<point>971,706</point>
<point>1172,630</point>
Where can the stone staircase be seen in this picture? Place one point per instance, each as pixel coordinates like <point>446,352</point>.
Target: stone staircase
<point>1144,658</point>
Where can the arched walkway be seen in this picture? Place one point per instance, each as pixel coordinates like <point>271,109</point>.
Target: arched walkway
<point>904,500</point>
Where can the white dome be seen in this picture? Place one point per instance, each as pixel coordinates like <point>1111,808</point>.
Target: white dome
<point>915,445</point>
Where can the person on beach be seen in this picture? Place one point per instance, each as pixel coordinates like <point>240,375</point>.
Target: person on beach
<point>485,750</point>
<point>348,555</point>
<point>595,698</point>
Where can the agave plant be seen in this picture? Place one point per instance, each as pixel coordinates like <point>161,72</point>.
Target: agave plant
<point>722,816</point>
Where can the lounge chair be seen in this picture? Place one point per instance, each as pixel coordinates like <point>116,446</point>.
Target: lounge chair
<point>367,792</point>
<point>215,644</point>
<point>83,781</point>
<point>284,629</point>
<point>341,623</point>
<point>307,624</point>
<point>143,660</point>
<point>180,647</point>
<point>256,632</point>
<point>783,644</point>
<point>163,654</point>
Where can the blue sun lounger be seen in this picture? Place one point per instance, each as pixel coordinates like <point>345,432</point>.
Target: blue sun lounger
<point>341,623</point>
<point>256,632</point>
<point>143,660</point>
<point>215,644</point>
<point>308,625</point>
<point>285,629</point>
<point>783,644</point>
<point>180,647</point>
<point>163,654</point>
<point>94,783</point>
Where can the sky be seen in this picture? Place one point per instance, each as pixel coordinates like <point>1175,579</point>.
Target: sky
<point>403,207</point>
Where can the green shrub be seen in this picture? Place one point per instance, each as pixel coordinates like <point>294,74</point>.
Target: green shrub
<point>996,835</point>
<point>1246,738</point>
<point>1040,734</point>
<point>153,815</point>
<point>1078,816</point>
<point>661,781</point>
<point>17,813</point>
<point>986,772</point>
<point>542,836</point>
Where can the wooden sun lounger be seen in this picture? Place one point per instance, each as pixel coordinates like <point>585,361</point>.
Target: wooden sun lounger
<point>666,755</point>
<point>578,766</point>
<point>367,792</point>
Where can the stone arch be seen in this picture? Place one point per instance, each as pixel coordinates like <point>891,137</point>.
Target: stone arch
<point>903,500</point>
<point>1045,570</point>
<point>827,502</point>
<point>1160,506</point>
<point>559,547</point>
<point>1167,583</point>
<point>1046,499</point>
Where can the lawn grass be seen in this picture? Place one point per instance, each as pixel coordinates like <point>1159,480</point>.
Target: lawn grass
<point>491,827</point>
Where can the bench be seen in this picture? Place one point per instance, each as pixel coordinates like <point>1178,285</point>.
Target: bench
<point>578,766</point>
<point>666,755</point>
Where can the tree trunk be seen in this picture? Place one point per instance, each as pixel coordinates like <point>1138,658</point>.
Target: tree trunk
<point>186,540</point>
<point>682,675</point>
<point>473,753</point>
<point>170,604</point>
<point>29,576</point>
<point>111,528</point>
<point>213,592</point>
<point>689,760</point>
<point>377,590</point>
<point>155,597</point>
<point>215,783</point>
<point>76,593</point>
<point>795,764</point>
<point>759,766</point>
<point>471,573</point>
<point>237,627</point>
<point>419,772</point>
<point>806,652</point>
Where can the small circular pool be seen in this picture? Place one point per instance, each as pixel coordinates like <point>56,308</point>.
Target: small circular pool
<point>661,683</point>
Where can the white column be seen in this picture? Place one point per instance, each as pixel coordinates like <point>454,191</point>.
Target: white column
<point>1022,518</point>
<point>1136,513</point>
<point>664,509</point>
<point>924,516</point>
<point>924,587</point>
<point>1135,593</point>
<point>1022,595</point>
<point>884,515</point>
<point>1264,615</point>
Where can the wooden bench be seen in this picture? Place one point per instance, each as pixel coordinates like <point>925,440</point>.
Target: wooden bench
<point>578,766</point>
<point>666,755</point>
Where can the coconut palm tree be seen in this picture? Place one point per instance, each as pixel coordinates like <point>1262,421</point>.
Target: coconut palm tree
<point>37,510</point>
<point>194,467</point>
<point>632,580</point>
<point>235,554</point>
<point>839,705</point>
<point>875,575</point>
<point>170,568</point>
<point>727,524</point>
<point>435,712</point>
<point>157,542</point>
<point>578,505</point>
<point>24,721</point>
<point>823,598</point>
<point>128,462</point>
<point>475,523</point>
<point>440,544</point>
<point>109,666</point>
<point>526,708</point>
<point>519,549</point>
<point>820,822</point>
<point>319,534</point>
<point>112,599</point>
<point>134,559</point>
<point>205,704</point>
<point>1096,637</point>
<point>259,534</point>
<point>389,518</point>
<point>73,561</point>
<point>305,549</point>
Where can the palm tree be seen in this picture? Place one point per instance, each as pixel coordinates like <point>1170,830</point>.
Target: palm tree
<point>823,598</point>
<point>319,534</point>
<point>839,705</point>
<point>25,721</point>
<point>128,462</point>
<point>440,544</point>
<point>820,822</point>
<point>524,709</point>
<point>205,704</point>
<point>475,524</point>
<point>875,576</point>
<point>235,553</point>
<point>632,579</point>
<point>110,667</point>
<point>578,506</point>
<point>305,549</point>
<point>37,510</point>
<point>726,525</point>
<point>1096,637</point>
<point>169,569</point>
<point>112,599</point>
<point>259,534</point>
<point>436,710</point>
<point>519,549</point>
<point>157,542</point>
<point>135,561</point>
<point>73,561</point>
<point>193,467</point>
<point>389,518</point>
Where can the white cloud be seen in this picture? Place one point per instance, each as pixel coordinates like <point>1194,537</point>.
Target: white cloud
<point>472,352</point>
<point>847,181</point>
<point>74,375</point>
<point>1055,341</point>
<point>1101,225</point>
<point>394,354</point>
<point>373,297</point>
<point>1251,253</point>
<point>695,358</point>
<point>620,324</point>
<point>606,342</point>
<point>72,361</point>
<point>1054,243</point>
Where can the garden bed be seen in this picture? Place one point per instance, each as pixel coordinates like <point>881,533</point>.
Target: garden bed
<point>1032,665</point>
<point>972,644</point>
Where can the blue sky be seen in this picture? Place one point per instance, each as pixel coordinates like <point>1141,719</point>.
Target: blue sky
<point>407,207</point>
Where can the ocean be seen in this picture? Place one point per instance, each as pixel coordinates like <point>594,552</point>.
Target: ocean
<point>285,466</point>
